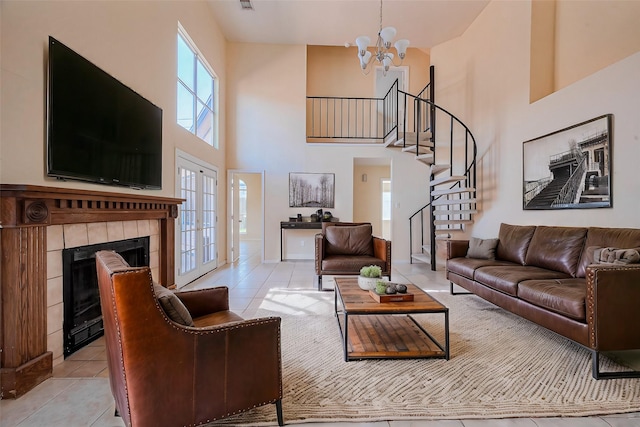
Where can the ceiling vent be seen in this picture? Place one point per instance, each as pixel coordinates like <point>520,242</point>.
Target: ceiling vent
<point>246,4</point>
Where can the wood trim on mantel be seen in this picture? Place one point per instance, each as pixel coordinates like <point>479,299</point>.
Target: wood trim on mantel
<point>25,212</point>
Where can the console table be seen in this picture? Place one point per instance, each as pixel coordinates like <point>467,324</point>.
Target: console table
<point>298,225</point>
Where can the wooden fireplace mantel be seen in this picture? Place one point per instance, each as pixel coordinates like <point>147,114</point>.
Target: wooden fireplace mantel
<point>25,213</point>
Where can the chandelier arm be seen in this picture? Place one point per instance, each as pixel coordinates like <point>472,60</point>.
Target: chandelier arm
<point>393,61</point>
<point>382,51</point>
<point>366,71</point>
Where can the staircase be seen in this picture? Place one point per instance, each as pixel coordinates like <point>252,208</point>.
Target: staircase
<point>450,153</point>
<point>548,195</point>
<point>568,171</point>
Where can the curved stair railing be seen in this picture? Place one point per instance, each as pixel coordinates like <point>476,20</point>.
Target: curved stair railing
<point>452,181</point>
<point>452,159</point>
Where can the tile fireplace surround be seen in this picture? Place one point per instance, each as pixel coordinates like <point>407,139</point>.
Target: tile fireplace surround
<point>36,223</point>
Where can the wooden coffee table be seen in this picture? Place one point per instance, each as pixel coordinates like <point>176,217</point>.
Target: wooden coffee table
<point>373,330</point>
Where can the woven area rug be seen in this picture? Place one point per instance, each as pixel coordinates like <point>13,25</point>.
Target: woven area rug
<point>501,367</point>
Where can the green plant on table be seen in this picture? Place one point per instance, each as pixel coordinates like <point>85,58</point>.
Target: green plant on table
<point>381,287</point>
<point>371,271</point>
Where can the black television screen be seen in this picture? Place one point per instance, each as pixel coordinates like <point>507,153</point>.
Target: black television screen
<point>99,130</point>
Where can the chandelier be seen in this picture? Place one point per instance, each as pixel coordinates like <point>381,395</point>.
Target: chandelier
<point>383,44</point>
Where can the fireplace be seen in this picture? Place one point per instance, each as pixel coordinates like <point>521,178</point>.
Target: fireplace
<point>82,321</point>
<point>36,224</point>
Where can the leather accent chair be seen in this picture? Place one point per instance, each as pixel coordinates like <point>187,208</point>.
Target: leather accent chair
<point>343,248</point>
<point>165,373</point>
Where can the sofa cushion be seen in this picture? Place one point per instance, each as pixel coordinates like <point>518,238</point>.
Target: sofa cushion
<point>341,264</point>
<point>216,318</point>
<point>557,248</point>
<point>563,296</point>
<point>344,240</point>
<point>513,242</point>
<point>172,306</point>
<point>482,248</point>
<point>467,266</point>
<point>506,278</point>
<point>608,237</point>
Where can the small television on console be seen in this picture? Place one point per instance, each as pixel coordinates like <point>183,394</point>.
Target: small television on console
<point>98,129</point>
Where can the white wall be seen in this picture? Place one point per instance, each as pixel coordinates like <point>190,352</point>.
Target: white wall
<point>266,130</point>
<point>484,76</point>
<point>133,41</point>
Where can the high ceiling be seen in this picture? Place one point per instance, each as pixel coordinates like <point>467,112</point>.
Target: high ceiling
<point>425,23</point>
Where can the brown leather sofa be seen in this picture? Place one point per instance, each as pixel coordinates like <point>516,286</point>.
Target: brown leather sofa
<point>178,359</point>
<point>343,248</point>
<point>549,276</point>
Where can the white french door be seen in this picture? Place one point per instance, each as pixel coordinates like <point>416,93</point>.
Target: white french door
<point>197,250</point>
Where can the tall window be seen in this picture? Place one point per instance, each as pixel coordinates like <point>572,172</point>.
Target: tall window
<point>242,194</point>
<point>197,92</point>
<point>386,208</point>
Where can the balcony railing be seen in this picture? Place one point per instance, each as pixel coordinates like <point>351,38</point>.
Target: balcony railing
<point>339,119</point>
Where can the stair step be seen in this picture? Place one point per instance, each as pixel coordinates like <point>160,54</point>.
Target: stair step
<point>411,136</point>
<point>455,190</point>
<point>449,229</point>
<point>447,179</point>
<point>453,202</point>
<point>444,236</point>
<point>438,169</point>
<point>452,222</point>
<point>447,212</point>
<point>420,148</point>
<point>443,231</point>
<point>426,158</point>
<point>391,139</point>
<point>401,142</point>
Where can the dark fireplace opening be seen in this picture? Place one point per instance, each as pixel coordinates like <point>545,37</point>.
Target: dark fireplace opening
<point>82,314</point>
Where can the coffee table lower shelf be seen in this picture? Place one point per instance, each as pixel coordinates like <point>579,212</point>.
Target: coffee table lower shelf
<point>387,337</point>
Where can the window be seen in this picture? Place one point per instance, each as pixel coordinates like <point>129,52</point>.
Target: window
<point>242,194</point>
<point>386,208</point>
<point>197,92</point>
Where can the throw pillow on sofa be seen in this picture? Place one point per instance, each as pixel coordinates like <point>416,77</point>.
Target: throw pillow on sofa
<point>172,306</point>
<point>482,248</point>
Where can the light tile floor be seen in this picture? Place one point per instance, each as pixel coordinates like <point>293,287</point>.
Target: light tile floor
<point>77,394</point>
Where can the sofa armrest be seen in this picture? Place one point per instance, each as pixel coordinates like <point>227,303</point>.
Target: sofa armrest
<point>319,252</point>
<point>382,249</point>
<point>205,301</point>
<point>457,248</point>
<point>613,292</point>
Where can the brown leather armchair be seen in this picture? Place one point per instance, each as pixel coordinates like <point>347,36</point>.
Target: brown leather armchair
<point>163,372</point>
<point>343,248</point>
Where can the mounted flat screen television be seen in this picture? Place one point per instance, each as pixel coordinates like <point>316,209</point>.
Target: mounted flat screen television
<point>99,130</point>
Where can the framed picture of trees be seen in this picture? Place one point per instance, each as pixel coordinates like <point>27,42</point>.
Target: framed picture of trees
<point>569,168</point>
<point>311,190</point>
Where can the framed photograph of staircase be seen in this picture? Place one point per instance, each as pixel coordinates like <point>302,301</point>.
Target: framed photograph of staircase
<point>569,168</point>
